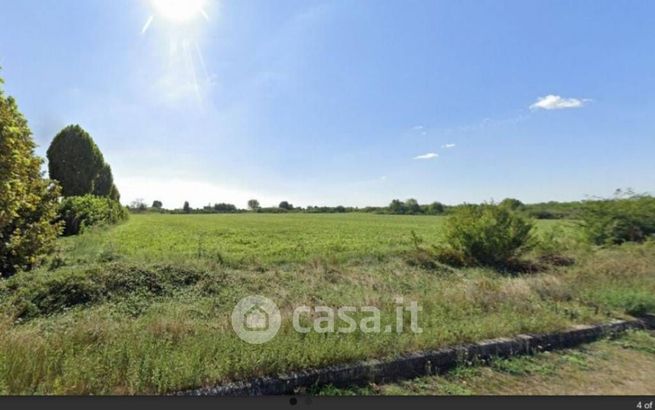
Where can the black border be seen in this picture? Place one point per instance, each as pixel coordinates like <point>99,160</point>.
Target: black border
<point>343,403</point>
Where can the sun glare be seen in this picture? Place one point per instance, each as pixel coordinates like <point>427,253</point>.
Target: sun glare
<point>179,11</point>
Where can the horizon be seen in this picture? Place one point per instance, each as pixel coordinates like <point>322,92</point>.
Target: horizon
<point>337,103</point>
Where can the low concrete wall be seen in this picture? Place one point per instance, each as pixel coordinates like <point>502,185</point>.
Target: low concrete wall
<point>420,364</point>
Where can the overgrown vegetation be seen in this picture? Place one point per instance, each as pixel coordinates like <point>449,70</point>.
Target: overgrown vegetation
<point>486,235</point>
<point>28,202</point>
<point>79,213</point>
<point>144,307</point>
<point>619,220</point>
<point>33,294</point>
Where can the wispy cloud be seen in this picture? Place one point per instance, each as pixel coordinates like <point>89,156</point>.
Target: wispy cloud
<point>146,26</point>
<point>429,155</point>
<point>420,129</point>
<point>555,102</point>
<point>448,146</point>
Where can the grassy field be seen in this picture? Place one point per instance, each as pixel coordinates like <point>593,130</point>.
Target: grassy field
<point>144,307</point>
<point>257,239</point>
<point>253,239</point>
<point>625,366</point>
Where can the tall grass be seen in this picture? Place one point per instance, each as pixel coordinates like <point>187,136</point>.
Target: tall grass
<point>139,338</point>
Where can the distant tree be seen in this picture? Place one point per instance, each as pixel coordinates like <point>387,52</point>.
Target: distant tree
<point>412,206</point>
<point>340,209</point>
<point>511,204</point>
<point>436,208</point>
<point>285,205</point>
<point>76,162</point>
<point>186,208</point>
<point>157,204</point>
<point>222,207</point>
<point>253,205</point>
<point>28,202</point>
<point>138,205</point>
<point>397,207</point>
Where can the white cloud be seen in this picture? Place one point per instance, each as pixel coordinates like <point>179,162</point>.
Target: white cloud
<point>429,155</point>
<point>448,146</point>
<point>418,128</point>
<point>555,102</point>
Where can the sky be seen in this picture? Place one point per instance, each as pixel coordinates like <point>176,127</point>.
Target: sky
<point>344,102</point>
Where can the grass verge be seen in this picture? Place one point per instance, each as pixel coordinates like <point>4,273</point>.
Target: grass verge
<point>624,366</point>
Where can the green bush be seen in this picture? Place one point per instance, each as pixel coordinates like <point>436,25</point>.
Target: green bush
<point>511,204</point>
<point>486,235</point>
<point>28,202</point>
<point>35,294</point>
<point>618,220</point>
<point>82,212</point>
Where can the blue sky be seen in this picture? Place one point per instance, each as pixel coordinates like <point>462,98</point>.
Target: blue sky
<point>345,102</point>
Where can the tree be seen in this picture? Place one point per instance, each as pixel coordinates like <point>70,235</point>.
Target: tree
<point>157,204</point>
<point>285,205</point>
<point>412,206</point>
<point>77,163</point>
<point>28,202</point>
<point>397,207</point>
<point>104,182</point>
<point>138,205</point>
<point>223,207</point>
<point>253,205</point>
<point>436,208</point>
<point>186,208</point>
<point>511,204</point>
<point>114,194</point>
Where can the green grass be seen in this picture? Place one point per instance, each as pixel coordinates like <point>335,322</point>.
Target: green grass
<point>254,238</point>
<point>259,239</point>
<point>145,307</point>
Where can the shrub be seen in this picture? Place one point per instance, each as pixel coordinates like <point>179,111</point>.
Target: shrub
<point>34,294</point>
<point>511,203</point>
<point>28,203</point>
<point>617,221</point>
<point>82,212</point>
<point>487,235</point>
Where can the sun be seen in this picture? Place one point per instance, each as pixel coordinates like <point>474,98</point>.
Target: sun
<point>179,11</point>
